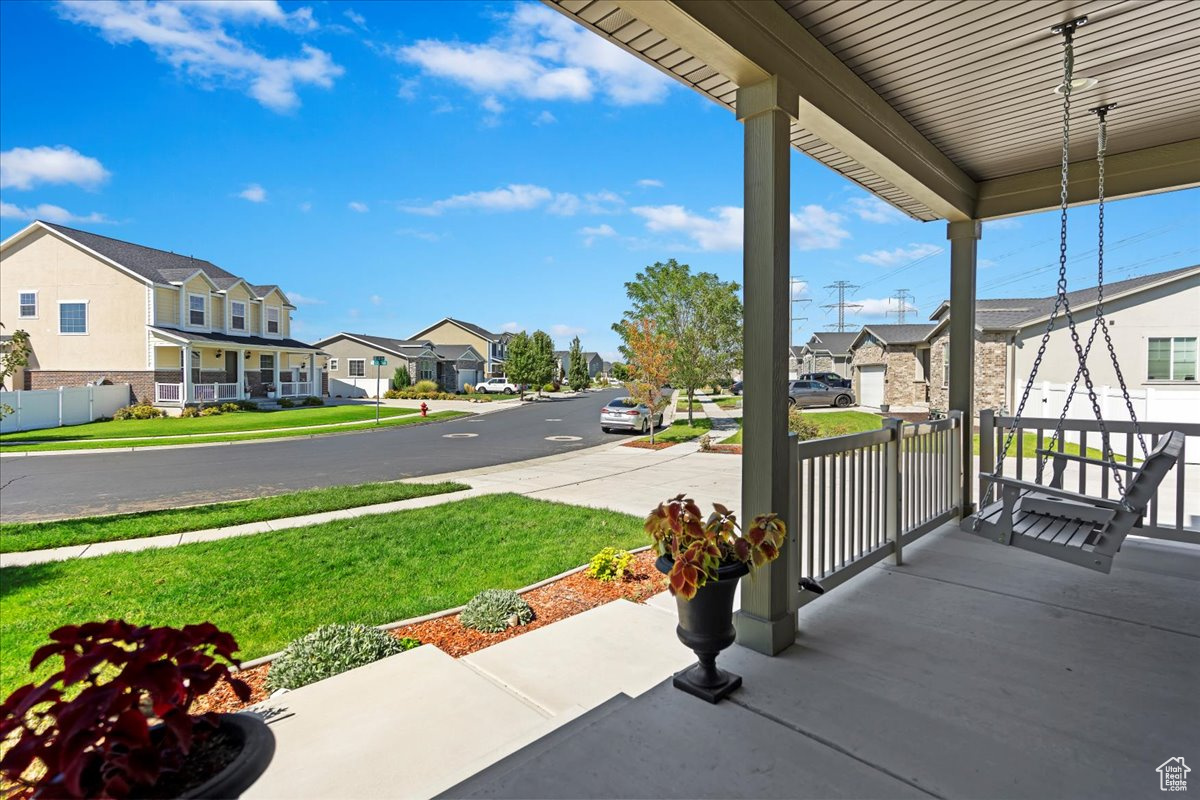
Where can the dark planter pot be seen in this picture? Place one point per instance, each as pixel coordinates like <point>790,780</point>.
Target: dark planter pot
<point>706,626</point>
<point>258,747</point>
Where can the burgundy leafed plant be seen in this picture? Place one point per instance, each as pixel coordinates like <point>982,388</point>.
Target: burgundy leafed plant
<point>699,546</point>
<point>92,723</point>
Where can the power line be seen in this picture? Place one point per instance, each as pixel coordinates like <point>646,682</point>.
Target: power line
<point>841,287</point>
<point>902,296</point>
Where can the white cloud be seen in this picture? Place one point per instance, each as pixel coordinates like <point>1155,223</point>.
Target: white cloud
<point>879,307</point>
<point>492,105</point>
<point>901,255</point>
<point>1006,224</point>
<point>191,36</point>
<point>354,313</point>
<point>355,17</point>
<point>541,55</point>
<point>26,167</point>
<point>359,206</point>
<point>407,90</point>
<point>545,118</point>
<point>514,197</point>
<point>304,300</point>
<point>813,227</point>
<point>305,207</point>
<point>510,327</point>
<point>650,183</point>
<point>48,213</point>
<point>254,193</point>
<point>376,300</point>
<point>592,233</point>
<point>427,236</point>
<point>561,330</point>
<point>872,209</point>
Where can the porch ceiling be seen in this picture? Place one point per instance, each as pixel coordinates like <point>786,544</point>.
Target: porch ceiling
<point>946,110</point>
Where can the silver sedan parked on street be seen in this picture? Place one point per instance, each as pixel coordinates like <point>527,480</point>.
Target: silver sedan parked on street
<point>625,413</point>
<point>802,394</point>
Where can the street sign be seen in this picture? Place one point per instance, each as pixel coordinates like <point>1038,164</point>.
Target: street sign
<point>379,361</point>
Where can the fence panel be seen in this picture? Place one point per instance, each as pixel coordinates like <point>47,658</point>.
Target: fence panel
<point>71,405</point>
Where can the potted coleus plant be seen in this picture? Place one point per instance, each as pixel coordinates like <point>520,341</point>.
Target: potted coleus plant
<point>115,722</point>
<point>703,560</point>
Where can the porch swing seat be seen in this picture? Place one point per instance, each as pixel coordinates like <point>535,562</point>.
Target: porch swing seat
<point>1068,526</point>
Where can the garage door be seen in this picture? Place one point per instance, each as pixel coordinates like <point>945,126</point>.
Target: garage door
<point>870,385</point>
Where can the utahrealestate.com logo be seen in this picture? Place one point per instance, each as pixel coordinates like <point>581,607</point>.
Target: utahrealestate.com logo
<point>1172,775</point>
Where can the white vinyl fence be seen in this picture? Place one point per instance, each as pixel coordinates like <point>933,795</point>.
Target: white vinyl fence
<point>358,387</point>
<point>67,405</point>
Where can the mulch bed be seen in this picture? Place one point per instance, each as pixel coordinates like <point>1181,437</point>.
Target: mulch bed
<point>735,449</point>
<point>649,446</point>
<point>564,598</point>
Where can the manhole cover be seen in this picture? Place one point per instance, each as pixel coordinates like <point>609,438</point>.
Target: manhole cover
<point>563,438</point>
<point>458,435</point>
<point>554,420</point>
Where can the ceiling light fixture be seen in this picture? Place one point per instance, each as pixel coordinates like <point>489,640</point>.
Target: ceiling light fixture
<point>1078,85</point>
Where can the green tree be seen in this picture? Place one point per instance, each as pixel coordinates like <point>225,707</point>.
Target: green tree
<point>577,374</point>
<point>620,372</point>
<point>521,365</point>
<point>15,357</point>
<point>700,313</point>
<point>401,378</point>
<point>650,354</point>
<point>545,364</point>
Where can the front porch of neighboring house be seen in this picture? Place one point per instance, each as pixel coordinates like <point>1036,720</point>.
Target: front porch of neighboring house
<point>217,373</point>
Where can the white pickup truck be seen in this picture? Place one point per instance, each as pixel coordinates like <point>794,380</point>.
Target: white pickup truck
<point>496,386</point>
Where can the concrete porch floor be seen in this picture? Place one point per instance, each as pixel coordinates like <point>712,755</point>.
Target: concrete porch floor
<point>974,670</point>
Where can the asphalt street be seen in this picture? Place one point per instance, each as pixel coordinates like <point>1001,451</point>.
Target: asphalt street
<point>58,486</point>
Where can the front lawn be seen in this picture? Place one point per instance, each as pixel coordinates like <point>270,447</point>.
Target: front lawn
<point>220,423</point>
<point>1029,448</point>
<point>23,536</point>
<point>832,423</point>
<point>729,402</point>
<point>270,588</point>
<point>680,431</point>
<point>400,416</point>
<point>682,406</point>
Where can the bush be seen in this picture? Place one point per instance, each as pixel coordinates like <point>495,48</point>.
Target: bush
<point>229,408</point>
<point>139,411</point>
<point>247,405</point>
<point>550,387</point>
<point>495,610</point>
<point>331,650</point>
<point>210,411</point>
<point>705,443</point>
<point>802,426</point>
<point>286,402</point>
<point>468,388</point>
<point>610,564</point>
<point>425,387</point>
<point>401,379</point>
<point>190,411</point>
<point>312,401</point>
<point>392,394</point>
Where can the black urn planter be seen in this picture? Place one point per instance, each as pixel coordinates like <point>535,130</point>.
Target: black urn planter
<point>706,626</point>
<point>258,747</point>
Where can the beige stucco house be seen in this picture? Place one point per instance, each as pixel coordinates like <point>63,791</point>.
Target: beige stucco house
<point>492,346</point>
<point>352,374</point>
<point>179,330</point>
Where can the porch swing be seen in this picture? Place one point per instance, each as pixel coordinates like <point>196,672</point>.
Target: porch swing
<point>1046,518</point>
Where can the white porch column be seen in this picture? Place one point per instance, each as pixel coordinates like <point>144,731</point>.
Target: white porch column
<point>312,375</point>
<point>241,374</point>
<point>187,374</point>
<point>275,377</point>
<point>765,622</point>
<point>964,246</point>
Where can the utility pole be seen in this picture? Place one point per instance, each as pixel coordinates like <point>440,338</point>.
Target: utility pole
<point>802,301</point>
<point>841,305</point>
<point>902,297</point>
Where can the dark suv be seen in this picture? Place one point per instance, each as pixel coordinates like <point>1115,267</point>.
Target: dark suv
<point>827,378</point>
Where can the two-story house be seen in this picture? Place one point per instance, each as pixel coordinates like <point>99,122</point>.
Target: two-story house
<point>179,330</point>
<point>492,346</point>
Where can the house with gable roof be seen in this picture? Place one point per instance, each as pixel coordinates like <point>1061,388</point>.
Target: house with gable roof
<point>492,346</point>
<point>451,366</point>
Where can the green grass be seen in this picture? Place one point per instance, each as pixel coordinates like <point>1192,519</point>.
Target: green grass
<point>682,405</point>
<point>680,431</point>
<point>22,536</point>
<point>270,588</point>
<point>404,417</point>
<point>833,423</point>
<point>221,423</point>
<point>1029,449</point>
<point>729,402</point>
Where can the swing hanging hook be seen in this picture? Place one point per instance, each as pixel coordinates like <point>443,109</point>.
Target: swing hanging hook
<point>1102,111</point>
<point>1068,28</point>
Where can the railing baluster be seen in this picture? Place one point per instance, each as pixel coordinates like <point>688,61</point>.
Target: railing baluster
<point>1180,467</point>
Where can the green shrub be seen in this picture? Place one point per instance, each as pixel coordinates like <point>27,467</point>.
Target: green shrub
<point>210,411</point>
<point>550,387</point>
<point>190,411</point>
<point>802,426</point>
<point>247,405</point>
<point>312,401</point>
<point>229,408</point>
<point>495,610</point>
<point>286,402</point>
<point>393,394</point>
<point>331,650</point>
<point>139,411</point>
<point>610,564</point>
<point>422,387</point>
<point>401,379</point>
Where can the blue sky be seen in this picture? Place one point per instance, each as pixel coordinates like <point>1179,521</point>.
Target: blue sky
<point>393,163</point>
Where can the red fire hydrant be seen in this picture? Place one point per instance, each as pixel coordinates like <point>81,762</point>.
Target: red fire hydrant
<point>424,409</point>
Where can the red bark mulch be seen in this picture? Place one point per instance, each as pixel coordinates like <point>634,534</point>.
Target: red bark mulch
<point>563,598</point>
<point>735,449</point>
<point>649,446</point>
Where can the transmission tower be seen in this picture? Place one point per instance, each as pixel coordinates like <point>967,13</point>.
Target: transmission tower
<point>802,301</point>
<point>902,296</point>
<point>841,305</point>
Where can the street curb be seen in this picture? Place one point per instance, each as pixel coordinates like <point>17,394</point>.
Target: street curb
<point>152,447</point>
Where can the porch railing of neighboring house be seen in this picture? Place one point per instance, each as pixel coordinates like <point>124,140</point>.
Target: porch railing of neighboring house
<point>1173,514</point>
<point>214,392</point>
<point>295,388</point>
<point>860,498</point>
<point>168,392</point>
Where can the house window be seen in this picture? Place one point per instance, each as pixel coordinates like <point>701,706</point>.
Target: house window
<point>28,305</point>
<point>197,305</point>
<point>945,364</point>
<point>72,317</point>
<point>332,365</point>
<point>425,370</point>
<point>237,315</point>
<point>266,367</point>
<point>356,367</point>
<point>272,320</point>
<point>1172,359</point>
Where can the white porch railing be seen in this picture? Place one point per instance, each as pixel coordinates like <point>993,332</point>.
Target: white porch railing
<point>1174,512</point>
<point>860,498</point>
<point>214,392</point>
<point>295,388</point>
<point>168,392</point>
